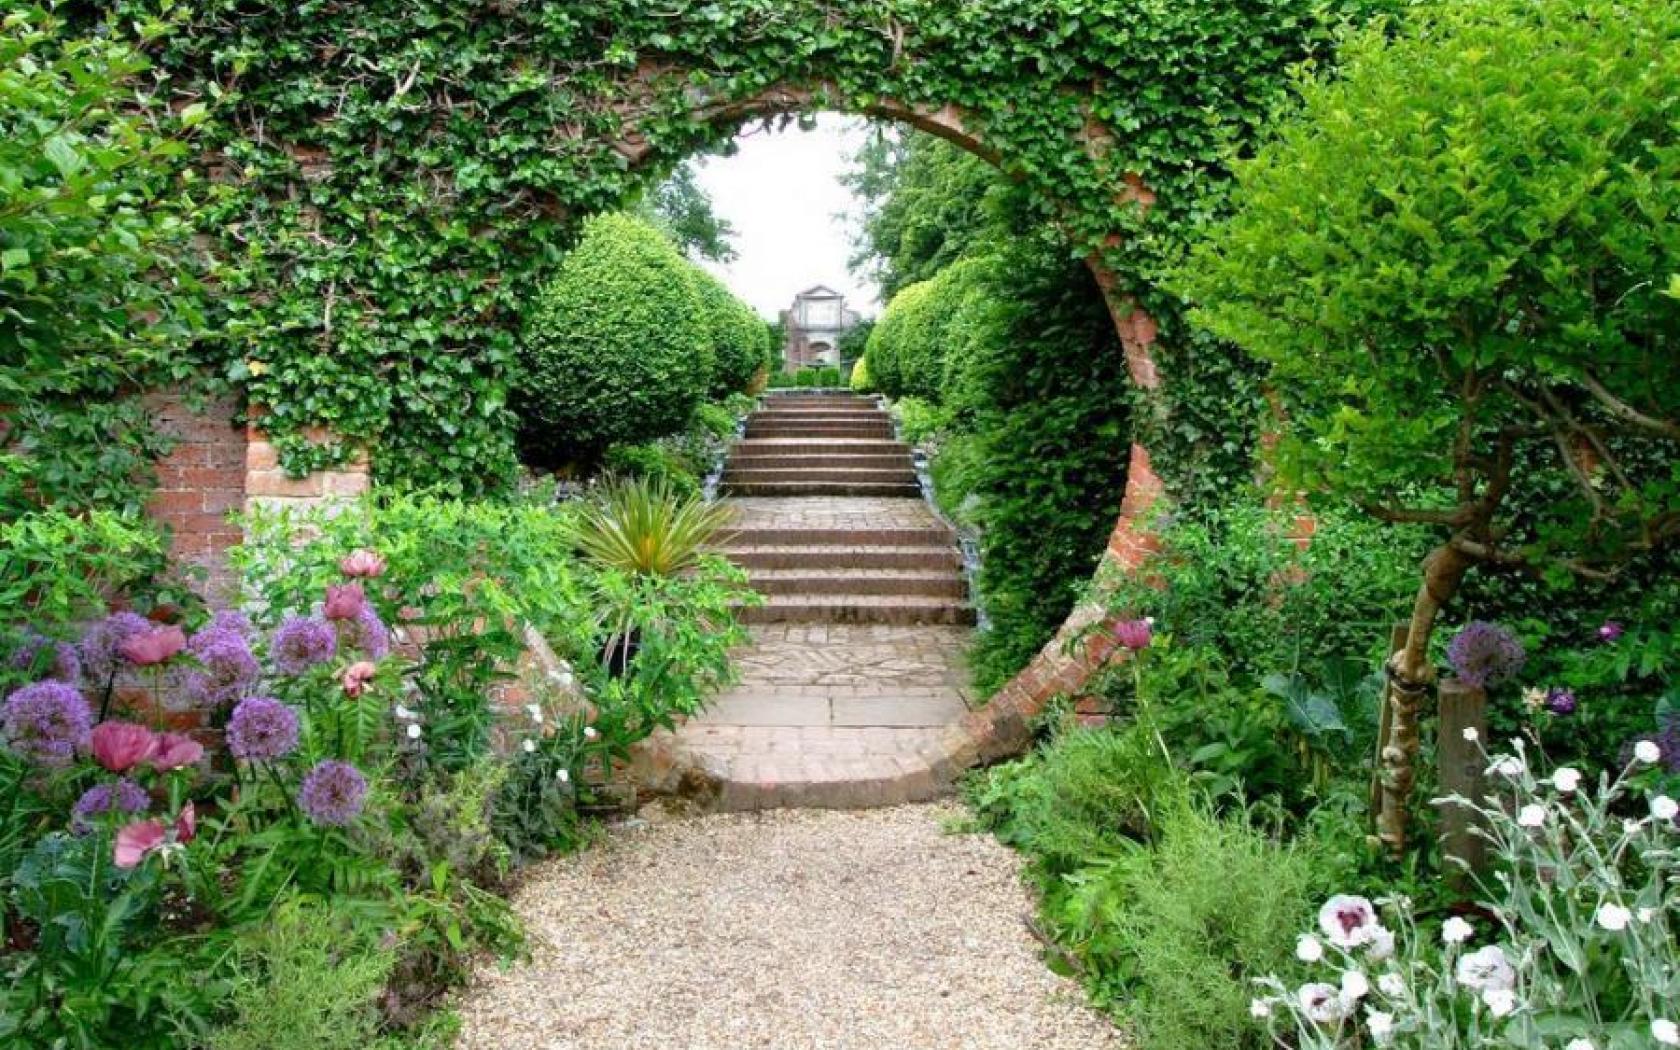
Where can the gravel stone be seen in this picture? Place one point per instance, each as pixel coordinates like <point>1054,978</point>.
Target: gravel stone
<point>785,929</point>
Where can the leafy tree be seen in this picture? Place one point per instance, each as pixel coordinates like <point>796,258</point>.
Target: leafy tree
<point>98,293</point>
<point>682,210</point>
<point>618,348</point>
<point>1459,262</point>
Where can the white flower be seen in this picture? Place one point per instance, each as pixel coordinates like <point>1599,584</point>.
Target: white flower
<point>1381,1025</point>
<point>1580,1044</point>
<point>589,733</point>
<point>1307,948</point>
<point>1532,815</point>
<point>404,713</point>
<point>1347,920</point>
<point>1631,827</point>
<point>1509,766</point>
<point>1613,917</point>
<point>1470,735</point>
<point>1354,985</point>
<point>1392,985</point>
<point>1486,969</point>
<point>1381,944</point>
<point>1647,914</point>
<point>1647,752</point>
<point>1456,931</point>
<point>1322,1003</point>
<point>1664,808</point>
<point>1500,1001</point>
<point>1665,1032</point>
<point>1534,697</point>
<point>535,711</point>
<point>413,731</point>
<point>1259,1008</point>
<point>562,776</point>
<point>1566,779</point>
<point>528,744</point>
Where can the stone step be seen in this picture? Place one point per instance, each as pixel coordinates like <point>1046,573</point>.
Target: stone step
<point>860,408</point>
<point>786,489</point>
<point>800,397</point>
<point>856,608</point>
<point>838,460</point>
<point>802,446</point>
<point>880,429</point>
<point>840,556</point>
<point>804,581</point>
<point>735,472</point>
<point>933,535</point>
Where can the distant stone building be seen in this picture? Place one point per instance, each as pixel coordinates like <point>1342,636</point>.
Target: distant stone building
<point>814,324</point>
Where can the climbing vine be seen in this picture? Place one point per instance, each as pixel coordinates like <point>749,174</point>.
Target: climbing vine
<point>406,171</point>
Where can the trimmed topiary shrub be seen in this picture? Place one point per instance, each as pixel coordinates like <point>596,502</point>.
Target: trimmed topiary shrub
<point>616,349</point>
<point>738,338</point>
<point>886,342</point>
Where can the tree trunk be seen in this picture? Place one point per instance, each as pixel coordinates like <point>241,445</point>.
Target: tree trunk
<point>1410,676</point>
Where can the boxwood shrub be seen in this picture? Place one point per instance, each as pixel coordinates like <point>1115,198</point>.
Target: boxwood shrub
<point>739,340</point>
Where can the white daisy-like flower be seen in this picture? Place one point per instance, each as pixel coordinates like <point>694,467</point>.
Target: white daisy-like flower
<point>1664,808</point>
<point>1613,916</point>
<point>1259,1008</point>
<point>1456,931</point>
<point>1532,815</point>
<point>563,776</point>
<point>590,733</point>
<point>1307,948</point>
<point>1486,968</point>
<point>528,744</point>
<point>413,732</point>
<point>1665,1032</point>
<point>1470,735</point>
<point>1392,985</point>
<point>1566,779</point>
<point>1500,1001</point>
<point>1354,985</point>
<point>1647,752</point>
<point>1380,1025</point>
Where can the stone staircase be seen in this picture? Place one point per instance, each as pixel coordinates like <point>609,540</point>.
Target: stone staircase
<point>830,521</point>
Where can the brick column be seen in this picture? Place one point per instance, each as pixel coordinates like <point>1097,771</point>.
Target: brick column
<point>200,482</point>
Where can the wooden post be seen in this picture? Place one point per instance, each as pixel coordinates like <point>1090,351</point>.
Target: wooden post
<point>1463,767</point>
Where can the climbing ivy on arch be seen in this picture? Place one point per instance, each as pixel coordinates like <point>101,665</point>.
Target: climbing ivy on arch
<point>402,173</point>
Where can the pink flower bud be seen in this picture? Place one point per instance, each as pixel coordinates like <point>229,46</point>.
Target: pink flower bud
<point>362,563</point>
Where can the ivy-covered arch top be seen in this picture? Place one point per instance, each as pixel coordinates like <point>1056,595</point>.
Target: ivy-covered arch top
<point>398,175</point>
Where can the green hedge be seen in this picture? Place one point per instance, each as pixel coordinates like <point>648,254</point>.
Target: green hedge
<point>740,342</point>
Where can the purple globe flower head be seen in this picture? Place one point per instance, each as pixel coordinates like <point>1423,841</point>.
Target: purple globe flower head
<point>1485,654</point>
<point>226,666</point>
<point>230,620</point>
<point>333,793</point>
<point>262,729</point>
<point>122,796</point>
<point>65,665</point>
<point>101,645</point>
<point>47,722</point>
<point>366,632</point>
<point>301,643</point>
<point>1610,630</point>
<point>1560,701</point>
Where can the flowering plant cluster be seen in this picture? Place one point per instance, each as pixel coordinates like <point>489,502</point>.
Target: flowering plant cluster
<point>1574,947</point>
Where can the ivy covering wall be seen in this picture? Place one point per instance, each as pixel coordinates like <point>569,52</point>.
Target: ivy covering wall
<point>406,171</point>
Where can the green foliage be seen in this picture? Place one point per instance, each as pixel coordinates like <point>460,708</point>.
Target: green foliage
<point>886,342</point>
<point>98,285</point>
<point>1453,260</point>
<point>854,340</point>
<point>59,568</point>
<point>641,527</point>
<point>683,212</point>
<point>919,420</point>
<point>381,264</point>
<point>821,377</point>
<point>736,334</point>
<point>860,381</point>
<point>618,349</point>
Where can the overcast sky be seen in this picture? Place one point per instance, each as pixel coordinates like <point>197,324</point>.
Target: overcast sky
<point>782,194</point>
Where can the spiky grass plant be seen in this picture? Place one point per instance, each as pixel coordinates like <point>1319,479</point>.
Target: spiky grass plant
<point>641,526</point>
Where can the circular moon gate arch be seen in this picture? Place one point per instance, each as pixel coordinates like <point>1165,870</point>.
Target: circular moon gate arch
<point>396,177</point>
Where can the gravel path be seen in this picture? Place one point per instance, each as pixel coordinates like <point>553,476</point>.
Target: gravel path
<point>788,929</point>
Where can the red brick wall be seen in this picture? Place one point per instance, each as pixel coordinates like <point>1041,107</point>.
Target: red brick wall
<point>199,483</point>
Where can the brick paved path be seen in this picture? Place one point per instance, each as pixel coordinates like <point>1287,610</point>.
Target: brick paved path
<point>856,663</point>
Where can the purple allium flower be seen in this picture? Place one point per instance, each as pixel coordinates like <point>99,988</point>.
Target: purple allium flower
<point>230,620</point>
<point>1485,654</point>
<point>1610,630</point>
<point>1560,701</point>
<point>226,668</point>
<point>65,667</point>
<point>47,722</point>
<point>262,728</point>
<point>123,796</point>
<point>367,632</point>
<point>101,645</point>
<point>301,643</point>
<point>333,793</point>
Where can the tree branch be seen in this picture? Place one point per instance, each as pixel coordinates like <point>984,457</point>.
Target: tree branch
<point>1627,413</point>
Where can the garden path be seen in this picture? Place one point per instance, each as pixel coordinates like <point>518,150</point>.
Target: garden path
<point>870,930</point>
<point>855,667</point>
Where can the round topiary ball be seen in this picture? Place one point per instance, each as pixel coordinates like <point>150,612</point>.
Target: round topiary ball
<point>617,348</point>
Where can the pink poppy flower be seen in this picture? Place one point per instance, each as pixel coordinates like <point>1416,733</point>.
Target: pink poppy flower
<point>344,602</point>
<point>120,746</point>
<point>363,563</point>
<point>136,840</point>
<point>357,676</point>
<point>175,751</point>
<point>146,648</point>
<point>1133,634</point>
